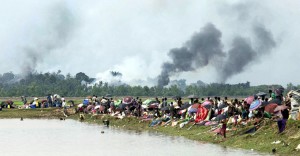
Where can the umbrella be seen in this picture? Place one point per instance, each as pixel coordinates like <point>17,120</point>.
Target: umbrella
<point>127,100</point>
<point>254,105</point>
<point>264,104</point>
<point>57,96</point>
<point>108,95</point>
<point>270,107</point>
<point>280,108</point>
<point>249,99</point>
<point>277,101</point>
<point>202,113</point>
<point>261,94</point>
<point>165,109</point>
<point>85,101</point>
<point>192,96</point>
<point>153,106</point>
<point>149,101</point>
<point>186,105</point>
<point>207,106</point>
<point>192,110</point>
<point>118,102</point>
<point>223,105</point>
<point>196,105</point>
<point>220,117</point>
<point>121,106</point>
<point>207,102</point>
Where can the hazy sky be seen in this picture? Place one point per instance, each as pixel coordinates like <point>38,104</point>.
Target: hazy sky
<point>135,36</point>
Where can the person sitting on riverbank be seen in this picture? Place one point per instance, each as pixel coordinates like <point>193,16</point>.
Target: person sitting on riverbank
<point>35,103</point>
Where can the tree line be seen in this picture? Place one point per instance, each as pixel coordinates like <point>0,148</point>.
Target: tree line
<point>80,85</point>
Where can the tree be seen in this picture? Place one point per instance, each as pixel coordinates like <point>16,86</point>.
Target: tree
<point>290,86</point>
<point>6,77</point>
<point>82,77</point>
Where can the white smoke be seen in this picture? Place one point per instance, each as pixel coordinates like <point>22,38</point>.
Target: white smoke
<point>135,71</point>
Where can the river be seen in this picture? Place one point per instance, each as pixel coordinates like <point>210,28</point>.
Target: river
<point>34,137</point>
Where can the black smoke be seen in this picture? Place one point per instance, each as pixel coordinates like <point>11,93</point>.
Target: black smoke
<point>205,46</point>
<point>198,52</point>
<point>56,33</point>
<point>239,56</point>
<point>243,53</point>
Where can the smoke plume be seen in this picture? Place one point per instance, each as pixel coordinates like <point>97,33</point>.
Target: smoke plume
<point>239,56</point>
<point>206,46</point>
<point>243,53</point>
<point>198,52</point>
<point>56,34</point>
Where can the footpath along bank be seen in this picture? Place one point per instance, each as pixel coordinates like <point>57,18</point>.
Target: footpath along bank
<point>265,139</point>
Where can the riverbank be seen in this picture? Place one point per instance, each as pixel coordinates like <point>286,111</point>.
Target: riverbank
<point>260,141</point>
<point>48,113</point>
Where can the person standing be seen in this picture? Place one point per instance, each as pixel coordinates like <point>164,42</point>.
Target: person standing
<point>165,102</point>
<point>49,100</point>
<point>282,122</point>
<point>179,102</point>
<point>24,100</point>
<point>139,107</point>
<point>63,102</point>
<point>112,106</point>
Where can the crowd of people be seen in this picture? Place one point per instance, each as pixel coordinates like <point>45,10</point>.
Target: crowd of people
<point>208,111</point>
<point>50,101</point>
<point>217,111</point>
<point>109,105</point>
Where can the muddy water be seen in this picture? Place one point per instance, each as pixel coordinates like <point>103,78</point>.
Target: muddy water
<point>72,138</point>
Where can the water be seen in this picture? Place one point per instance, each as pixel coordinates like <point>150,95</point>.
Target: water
<point>69,137</point>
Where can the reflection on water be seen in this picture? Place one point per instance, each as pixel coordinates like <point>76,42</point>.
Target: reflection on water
<point>69,137</point>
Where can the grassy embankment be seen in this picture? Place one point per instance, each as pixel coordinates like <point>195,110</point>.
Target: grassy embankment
<point>260,141</point>
<point>49,113</point>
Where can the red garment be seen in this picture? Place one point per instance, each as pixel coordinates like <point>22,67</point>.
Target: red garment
<point>201,114</point>
<point>220,111</point>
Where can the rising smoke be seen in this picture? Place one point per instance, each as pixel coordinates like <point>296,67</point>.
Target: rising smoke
<point>205,46</point>
<point>243,53</point>
<point>57,32</point>
<point>238,57</point>
<point>195,53</point>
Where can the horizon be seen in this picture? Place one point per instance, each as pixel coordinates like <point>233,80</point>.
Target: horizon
<point>112,83</point>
